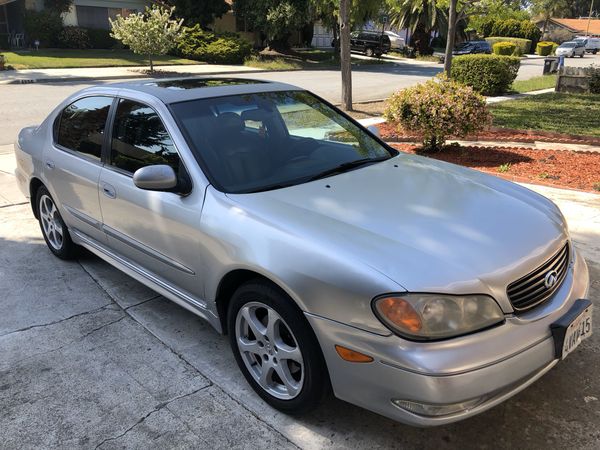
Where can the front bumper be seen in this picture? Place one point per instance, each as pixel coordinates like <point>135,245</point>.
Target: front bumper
<point>489,366</point>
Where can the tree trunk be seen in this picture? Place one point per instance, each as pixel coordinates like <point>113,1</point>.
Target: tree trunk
<point>346,68</point>
<point>450,38</point>
<point>151,63</point>
<point>544,28</point>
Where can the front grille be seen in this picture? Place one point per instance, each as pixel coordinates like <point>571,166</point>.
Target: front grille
<point>531,290</point>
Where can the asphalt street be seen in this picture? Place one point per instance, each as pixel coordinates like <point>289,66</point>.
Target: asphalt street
<point>28,104</point>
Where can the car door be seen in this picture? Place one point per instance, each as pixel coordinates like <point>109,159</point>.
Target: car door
<point>155,230</point>
<point>72,163</point>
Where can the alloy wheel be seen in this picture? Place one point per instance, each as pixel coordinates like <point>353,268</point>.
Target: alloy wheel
<point>269,350</point>
<point>51,224</point>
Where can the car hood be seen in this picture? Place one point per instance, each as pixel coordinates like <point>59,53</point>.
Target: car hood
<point>425,224</point>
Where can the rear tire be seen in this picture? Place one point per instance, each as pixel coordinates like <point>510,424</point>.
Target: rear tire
<point>54,229</point>
<point>276,349</point>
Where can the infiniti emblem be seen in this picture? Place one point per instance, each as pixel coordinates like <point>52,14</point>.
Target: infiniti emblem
<point>550,279</point>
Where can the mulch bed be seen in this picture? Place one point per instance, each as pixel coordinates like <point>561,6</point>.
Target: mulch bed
<point>390,133</point>
<point>564,169</point>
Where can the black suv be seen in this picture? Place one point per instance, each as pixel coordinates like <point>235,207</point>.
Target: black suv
<point>370,43</point>
<point>471,47</point>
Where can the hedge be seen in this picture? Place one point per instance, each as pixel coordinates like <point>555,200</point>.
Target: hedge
<point>486,74</point>
<point>221,48</point>
<point>544,48</point>
<point>100,38</point>
<point>524,45</point>
<point>524,29</point>
<point>504,48</point>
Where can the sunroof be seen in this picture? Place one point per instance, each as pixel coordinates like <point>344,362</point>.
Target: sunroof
<point>196,83</point>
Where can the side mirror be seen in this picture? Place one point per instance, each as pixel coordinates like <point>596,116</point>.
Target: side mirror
<point>375,130</point>
<point>159,177</point>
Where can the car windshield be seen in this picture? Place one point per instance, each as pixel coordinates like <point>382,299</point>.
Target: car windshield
<point>568,44</point>
<point>262,141</point>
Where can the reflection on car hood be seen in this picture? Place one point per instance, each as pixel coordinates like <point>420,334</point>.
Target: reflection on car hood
<point>425,224</point>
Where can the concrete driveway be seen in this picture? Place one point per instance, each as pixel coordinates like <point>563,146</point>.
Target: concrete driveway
<point>92,359</point>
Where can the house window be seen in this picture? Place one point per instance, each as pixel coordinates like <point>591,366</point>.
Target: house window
<point>97,17</point>
<point>241,24</point>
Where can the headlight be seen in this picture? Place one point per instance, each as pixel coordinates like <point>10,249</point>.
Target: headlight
<point>436,316</point>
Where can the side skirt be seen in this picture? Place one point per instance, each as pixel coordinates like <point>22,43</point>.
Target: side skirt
<point>148,279</point>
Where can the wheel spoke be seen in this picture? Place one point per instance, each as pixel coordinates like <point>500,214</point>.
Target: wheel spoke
<point>266,376</point>
<point>285,352</point>
<point>247,346</point>
<point>257,328</point>
<point>291,385</point>
<point>58,231</point>
<point>273,318</point>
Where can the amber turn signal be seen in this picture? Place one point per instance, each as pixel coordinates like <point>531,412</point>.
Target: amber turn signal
<point>351,355</point>
<point>400,313</point>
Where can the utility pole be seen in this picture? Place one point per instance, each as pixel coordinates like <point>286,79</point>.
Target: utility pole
<point>344,21</point>
<point>587,31</point>
<point>450,37</point>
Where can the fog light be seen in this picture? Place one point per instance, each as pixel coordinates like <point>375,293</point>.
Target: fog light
<point>424,409</point>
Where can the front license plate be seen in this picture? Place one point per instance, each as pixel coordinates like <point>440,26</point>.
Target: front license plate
<point>573,328</point>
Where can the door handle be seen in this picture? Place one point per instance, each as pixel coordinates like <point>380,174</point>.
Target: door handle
<point>109,190</point>
<point>50,164</point>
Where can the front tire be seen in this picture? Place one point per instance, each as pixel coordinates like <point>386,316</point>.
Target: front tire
<point>369,52</point>
<point>276,349</point>
<point>53,227</point>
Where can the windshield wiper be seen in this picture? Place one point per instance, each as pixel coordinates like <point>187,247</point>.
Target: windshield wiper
<point>345,167</point>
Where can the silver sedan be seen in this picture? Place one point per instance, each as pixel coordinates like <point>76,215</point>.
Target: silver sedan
<point>417,289</point>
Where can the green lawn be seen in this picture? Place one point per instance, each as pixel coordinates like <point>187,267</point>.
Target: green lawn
<point>534,84</point>
<point>564,113</point>
<point>59,59</point>
<point>304,59</point>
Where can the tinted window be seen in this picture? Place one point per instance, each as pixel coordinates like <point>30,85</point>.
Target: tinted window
<point>82,124</point>
<point>255,142</point>
<point>140,139</point>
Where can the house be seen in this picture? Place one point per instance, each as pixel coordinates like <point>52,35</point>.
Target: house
<point>577,27</point>
<point>83,13</point>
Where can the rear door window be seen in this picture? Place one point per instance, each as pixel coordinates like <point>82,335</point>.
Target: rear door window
<point>82,124</point>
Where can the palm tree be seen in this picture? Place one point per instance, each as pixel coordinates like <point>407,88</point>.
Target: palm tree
<point>421,17</point>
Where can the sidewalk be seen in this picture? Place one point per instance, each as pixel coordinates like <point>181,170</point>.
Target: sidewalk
<point>113,73</point>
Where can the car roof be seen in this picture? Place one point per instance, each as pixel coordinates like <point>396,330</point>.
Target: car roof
<point>174,90</point>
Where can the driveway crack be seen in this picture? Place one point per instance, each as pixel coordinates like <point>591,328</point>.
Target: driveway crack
<point>158,408</point>
<point>42,325</point>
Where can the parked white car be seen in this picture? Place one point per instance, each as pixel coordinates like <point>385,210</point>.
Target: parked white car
<point>591,44</point>
<point>398,42</point>
<point>570,49</point>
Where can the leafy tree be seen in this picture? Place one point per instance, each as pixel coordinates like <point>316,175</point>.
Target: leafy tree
<point>58,6</point>
<point>275,19</point>
<point>492,11</point>
<point>152,32</point>
<point>547,9</point>
<point>201,12</point>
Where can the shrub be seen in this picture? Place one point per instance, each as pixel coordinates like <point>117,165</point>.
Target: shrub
<point>504,48</point>
<point>524,45</point>
<point>594,72</point>
<point>524,29</point>
<point>436,109</point>
<point>74,37</point>
<point>221,48</point>
<point>486,74</point>
<point>44,26</point>
<point>554,47</point>
<point>101,38</point>
<point>544,48</point>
